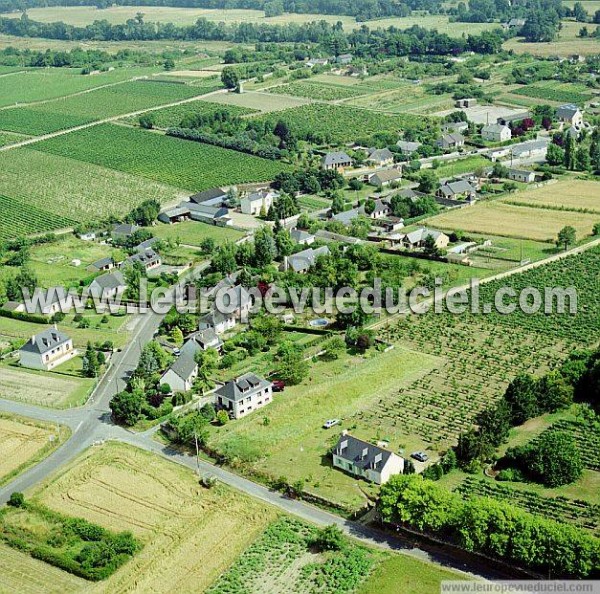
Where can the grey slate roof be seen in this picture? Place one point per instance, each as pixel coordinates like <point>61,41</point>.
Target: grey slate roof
<point>387,175</point>
<point>45,341</point>
<point>526,147</point>
<point>457,187</point>
<point>451,139</point>
<point>146,257</point>
<point>408,147</point>
<point>303,260</point>
<point>347,216</point>
<point>213,212</point>
<point>184,366</point>
<point>337,158</point>
<point>298,235</point>
<point>124,229</point>
<point>420,234</point>
<point>380,155</point>
<point>100,264</point>
<point>567,111</point>
<point>207,195</point>
<point>214,317</point>
<point>110,280</point>
<point>178,211</point>
<point>361,454</point>
<point>242,387</point>
<point>140,247</point>
<point>494,128</point>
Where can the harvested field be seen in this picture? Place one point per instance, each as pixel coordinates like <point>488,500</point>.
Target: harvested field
<point>43,388</point>
<point>22,443</point>
<point>508,220</point>
<point>191,535</point>
<point>26,575</point>
<point>572,194</point>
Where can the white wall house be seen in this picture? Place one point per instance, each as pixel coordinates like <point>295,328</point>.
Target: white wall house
<point>244,395</point>
<point>46,350</point>
<point>496,133</point>
<point>181,375</point>
<point>258,202</point>
<point>363,459</point>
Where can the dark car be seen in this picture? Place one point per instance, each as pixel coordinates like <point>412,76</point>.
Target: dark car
<point>278,386</point>
<point>420,456</point>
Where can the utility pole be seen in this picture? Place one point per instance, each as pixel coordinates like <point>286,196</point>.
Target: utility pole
<point>197,453</point>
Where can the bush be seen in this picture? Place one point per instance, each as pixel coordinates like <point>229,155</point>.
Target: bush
<point>16,500</point>
<point>222,417</point>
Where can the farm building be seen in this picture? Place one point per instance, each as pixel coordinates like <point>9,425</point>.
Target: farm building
<point>416,239</point>
<point>363,459</point>
<point>302,237</point>
<point>102,265</point>
<point>258,202</point>
<point>46,350</point>
<point>304,260</point>
<point>470,102</point>
<point>496,133</point>
<point>244,394</point>
<point>407,147</point>
<point>532,149</point>
<point>521,175</point>
<point>380,157</point>
<point>212,197</point>
<point>108,286</point>
<point>213,215</point>
<point>570,115</point>
<point>451,141</point>
<point>181,374</point>
<point>386,177</point>
<point>336,161</point>
<point>174,215</point>
<point>515,117</point>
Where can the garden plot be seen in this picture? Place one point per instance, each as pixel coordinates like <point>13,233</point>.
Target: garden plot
<point>190,534</point>
<point>482,114</point>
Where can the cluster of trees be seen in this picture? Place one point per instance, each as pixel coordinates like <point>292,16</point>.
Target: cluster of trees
<point>577,379</point>
<point>308,181</point>
<point>494,528</point>
<point>576,154</point>
<point>143,397</point>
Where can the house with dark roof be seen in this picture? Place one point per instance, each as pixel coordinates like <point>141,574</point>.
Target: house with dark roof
<point>570,115</point>
<point>386,177</point>
<point>302,262</point>
<point>257,202</point>
<point>181,374</point>
<point>380,157</point>
<point>47,350</point>
<point>244,395</point>
<point>456,190</point>
<point>455,127</point>
<point>211,197</point>
<point>149,259</point>
<point>235,300</point>
<point>101,265</point>
<point>347,216</point>
<point>496,133</point>
<point>451,141</point>
<point>382,209</point>
<point>108,286</point>
<point>202,341</point>
<point>123,231</point>
<point>514,24</point>
<point>407,147</point>
<point>174,215</point>
<point>337,161</point>
<point>50,301</point>
<point>521,175</point>
<point>416,239</point>
<point>302,237</point>
<point>217,321</point>
<point>363,459</point>
<point>142,247</point>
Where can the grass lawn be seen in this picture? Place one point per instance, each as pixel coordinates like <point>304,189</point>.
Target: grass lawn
<point>450,169</point>
<point>194,232</point>
<point>25,442</point>
<point>294,444</point>
<point>400,573</point>
<point>507,220</point>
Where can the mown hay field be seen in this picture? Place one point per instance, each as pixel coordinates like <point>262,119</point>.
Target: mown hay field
<point>24,442</point>
<point>508,220</point>
<point>572,194</point>
<point>190,534</point>
<point>43,388</point>
<point>164,159</point>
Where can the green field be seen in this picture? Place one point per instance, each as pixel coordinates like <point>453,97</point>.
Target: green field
<point>64,190</point>
<point>96,105</point>
<point>319,91</point>
<point>10,138</point>
<point>171,117</point>
<point>194,232</point>
<point>50,83</point>
<point>452,168</point>
<point>164,159</point>
<point>560,93</point>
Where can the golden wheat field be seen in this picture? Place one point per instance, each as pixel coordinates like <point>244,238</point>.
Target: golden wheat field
<point>23,442</point>
<point>190,534</point>
<point>508,220</point>
<point>574,194</point>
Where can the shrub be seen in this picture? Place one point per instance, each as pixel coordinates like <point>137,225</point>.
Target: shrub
<point>16,500</point>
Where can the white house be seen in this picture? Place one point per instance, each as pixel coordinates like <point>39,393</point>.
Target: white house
<point>244,394</point>
<point>363,459</point>
<point>570,115</point>
<point>521,175</point>
<point>496,133</point>
<point>201,341</point>
<point>302,237</point>
<point>181,374</point>
<point>301,262</point>
<point>386,176</point>
<point>217,321</point>
<point>336,160</point>
<point>46,350</point>
<point>258,202</point>
<point>416,239</point>
<point>380,157</point>
<point>51,301</point>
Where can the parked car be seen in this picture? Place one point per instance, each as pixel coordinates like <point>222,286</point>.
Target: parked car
<point>176,352</point>
<point>331,423</point>
<point>420,456</point>
<point>278,386</point>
